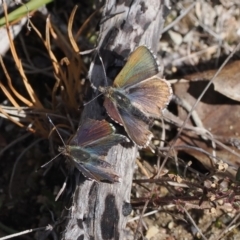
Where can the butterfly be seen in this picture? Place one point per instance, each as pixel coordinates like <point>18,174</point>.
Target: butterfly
<point>137,96</point>
<point>89,147</point>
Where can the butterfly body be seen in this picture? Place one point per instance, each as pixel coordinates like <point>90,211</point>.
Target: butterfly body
<point>76,153</point>
<point>122,102</point>
<point>89,147</point>
<point>137,96</point>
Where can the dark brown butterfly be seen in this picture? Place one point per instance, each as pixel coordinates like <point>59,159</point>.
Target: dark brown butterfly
<point>89,147</point>
<point>137,96</point>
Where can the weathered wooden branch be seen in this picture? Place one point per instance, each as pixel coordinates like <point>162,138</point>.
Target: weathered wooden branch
<point>100,210</point>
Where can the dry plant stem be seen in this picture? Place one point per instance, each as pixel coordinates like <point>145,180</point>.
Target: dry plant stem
<point>26,232</point>
<point>196,120</point>
<point>184,104</point>
<point>6,115</point>
<point>176,160</point>
<point>186,167</point>
<point>100,208</point>
<point>225,231</point>
<point>25,50</point>
<point>34,99</point>
<point>71,38</point>
<point>62,189</point>
<point>206,28</point>
<point>163,137</point>
<point>33,70</point>
<point>192,147</point>
<point>179,60</point>
<point>194,224</point>
<point>83,27</point>
<point>7,93</point>
<point>143,169</point>
<point>140,218</point>
<point>184,13</point>
<point>145,215</point>
<point>55,63</point>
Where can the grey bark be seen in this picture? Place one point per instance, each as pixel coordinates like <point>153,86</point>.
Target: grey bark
<point>99,210</point>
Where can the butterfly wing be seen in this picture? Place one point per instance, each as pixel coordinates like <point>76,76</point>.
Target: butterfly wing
<point>97,170</point>
<point>136,128</point>
<point>101,147</point>
<point>90,131</point>
<point>112,111</point>
<point>150,96</point>
<point>140,65</point>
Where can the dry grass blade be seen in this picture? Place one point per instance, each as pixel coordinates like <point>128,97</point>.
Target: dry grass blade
<point>8,95</point>
<point>67,74</point>
<point>52,57</point>
<point>19,96</point>
<point>10,118</point>
<point>34,98</point>
<point>67,78</point>
<point>70,23</point>
<point>85,24</point>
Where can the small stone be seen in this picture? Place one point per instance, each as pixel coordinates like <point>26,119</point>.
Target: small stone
<point>176,37</point>
<point>152,231</point>
<point>171,225</point>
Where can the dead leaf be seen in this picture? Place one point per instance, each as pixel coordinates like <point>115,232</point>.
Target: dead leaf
<point>220,116</point>
<point>226,83</point>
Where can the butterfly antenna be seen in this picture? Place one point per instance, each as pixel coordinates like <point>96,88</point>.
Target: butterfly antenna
<point>104,71</point>
<point>44,165</point>
<point>50,120</point>
<point>92,99</point>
